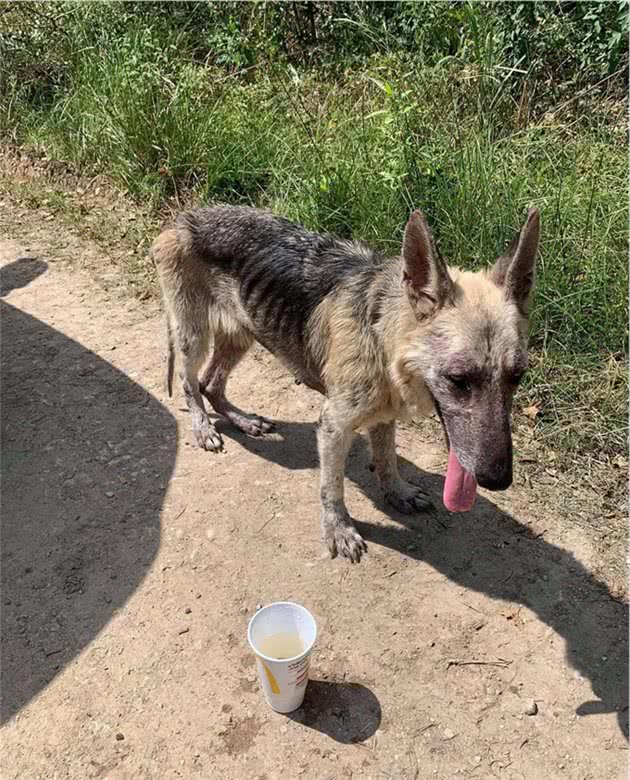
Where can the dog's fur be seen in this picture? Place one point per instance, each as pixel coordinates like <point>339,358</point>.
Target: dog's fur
<point>379,338</point>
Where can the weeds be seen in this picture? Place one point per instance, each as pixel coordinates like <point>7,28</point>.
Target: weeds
<point>349,121</point>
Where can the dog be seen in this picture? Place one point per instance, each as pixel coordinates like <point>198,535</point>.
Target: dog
<point>380,338</point>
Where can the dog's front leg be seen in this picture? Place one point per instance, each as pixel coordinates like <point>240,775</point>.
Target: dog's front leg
<point>401,495</point>
<point>333,439</point>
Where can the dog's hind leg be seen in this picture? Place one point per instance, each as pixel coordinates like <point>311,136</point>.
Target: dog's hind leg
<point>228,352</point>
<point>194,348</point>
<point>403,496</point>
<point>184,282</point>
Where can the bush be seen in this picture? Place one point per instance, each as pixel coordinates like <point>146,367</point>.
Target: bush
<point>346,116</point>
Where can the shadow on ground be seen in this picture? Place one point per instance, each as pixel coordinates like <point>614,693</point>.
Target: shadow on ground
<point>20,273</point>
<point>86,458</point>
<point>491,552</point>
<point>347,712</point>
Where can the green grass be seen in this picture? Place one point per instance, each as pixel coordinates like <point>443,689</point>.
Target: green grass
<point>354,151</point>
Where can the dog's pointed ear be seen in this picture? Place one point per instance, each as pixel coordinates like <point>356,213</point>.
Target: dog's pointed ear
<point>425,276</point>
<point>516,270</point>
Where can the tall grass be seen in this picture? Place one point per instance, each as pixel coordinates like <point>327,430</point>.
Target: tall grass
<point>354,151</point>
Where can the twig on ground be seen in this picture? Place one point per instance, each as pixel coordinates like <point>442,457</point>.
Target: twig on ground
<point>457,662</point>
<point>471,607</point>
<point>423,729</point>
<point>415,767</point>
<point>267,521</point>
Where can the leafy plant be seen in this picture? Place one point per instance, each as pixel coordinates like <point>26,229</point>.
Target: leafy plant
<point>346,116</point>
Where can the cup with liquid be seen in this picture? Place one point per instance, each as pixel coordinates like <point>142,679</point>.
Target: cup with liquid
<point>282,636</point>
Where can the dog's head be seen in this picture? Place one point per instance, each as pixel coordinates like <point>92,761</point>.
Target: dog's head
<point>470,348</point>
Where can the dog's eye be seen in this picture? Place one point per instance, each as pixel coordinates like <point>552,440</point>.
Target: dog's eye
<point>459,381</point>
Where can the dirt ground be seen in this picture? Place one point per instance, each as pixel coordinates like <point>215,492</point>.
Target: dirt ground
<point>132,562</point>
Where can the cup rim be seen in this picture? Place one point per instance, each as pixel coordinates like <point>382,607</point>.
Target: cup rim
<point>305,652</point>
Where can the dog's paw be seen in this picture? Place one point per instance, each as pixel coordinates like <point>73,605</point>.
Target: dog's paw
<point>407,498</point>
<point>252,424</point>
<point>208,438</point>
<point>343,539</point>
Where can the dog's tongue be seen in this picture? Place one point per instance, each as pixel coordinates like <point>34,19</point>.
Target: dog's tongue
<point>460,487</point>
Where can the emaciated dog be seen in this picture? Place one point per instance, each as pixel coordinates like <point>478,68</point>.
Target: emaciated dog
<point>380,338</point>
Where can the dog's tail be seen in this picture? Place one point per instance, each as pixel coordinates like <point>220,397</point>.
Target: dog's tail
<point>170,357</point>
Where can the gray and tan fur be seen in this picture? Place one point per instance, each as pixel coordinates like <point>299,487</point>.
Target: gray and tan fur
<point>379,338</point>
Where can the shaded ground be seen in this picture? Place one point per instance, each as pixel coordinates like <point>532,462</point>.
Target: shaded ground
<point>132,562</point>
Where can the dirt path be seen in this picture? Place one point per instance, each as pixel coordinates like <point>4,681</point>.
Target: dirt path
<point>132,562</point>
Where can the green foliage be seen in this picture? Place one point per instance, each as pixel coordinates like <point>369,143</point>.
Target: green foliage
<point>346,116</point>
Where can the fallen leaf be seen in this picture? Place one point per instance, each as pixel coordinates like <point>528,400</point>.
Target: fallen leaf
<point>533,411</point>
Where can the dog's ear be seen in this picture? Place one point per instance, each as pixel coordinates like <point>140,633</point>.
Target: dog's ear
<point>425,275</point>
<point>515,271</point>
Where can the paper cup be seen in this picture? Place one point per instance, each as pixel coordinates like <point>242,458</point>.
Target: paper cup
<point>278,629</point>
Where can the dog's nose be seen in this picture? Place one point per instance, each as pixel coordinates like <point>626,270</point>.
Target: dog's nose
<point>495,480</point>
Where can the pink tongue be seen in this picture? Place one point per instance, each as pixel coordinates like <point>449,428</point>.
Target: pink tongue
<point>460,487</point>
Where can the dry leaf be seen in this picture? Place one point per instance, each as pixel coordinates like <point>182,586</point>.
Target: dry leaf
<point>534,410</point>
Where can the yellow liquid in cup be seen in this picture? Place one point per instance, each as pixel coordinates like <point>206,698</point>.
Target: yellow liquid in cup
<point>281,645</point>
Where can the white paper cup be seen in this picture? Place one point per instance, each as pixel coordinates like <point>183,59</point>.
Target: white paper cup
<point>276,628</point>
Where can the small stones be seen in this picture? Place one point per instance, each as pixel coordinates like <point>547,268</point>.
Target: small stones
<point>243,610</point>
<point>187,611</point>
<point>531,708</point>
<point>120,736</point>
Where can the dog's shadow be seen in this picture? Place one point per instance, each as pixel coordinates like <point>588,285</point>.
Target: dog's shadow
<point>489,551</point>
